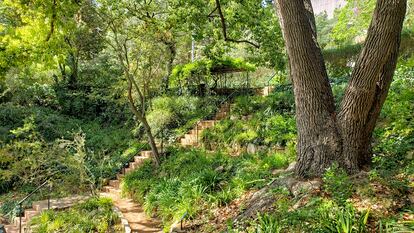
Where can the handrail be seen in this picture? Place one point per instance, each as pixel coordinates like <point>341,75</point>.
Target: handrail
<point>20,203</point>
<point>33,192</point>
<point>271,77</point>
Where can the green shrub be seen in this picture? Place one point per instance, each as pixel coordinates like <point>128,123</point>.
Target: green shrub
<point>95,215</point>
<point>280,102</point>
<point>346,220</point>
<point>392,225</point>
<point>279,130</point>
<point>176,115</point>
<point>188,180</point>
<point>267,224</point>
<point>337,184</point>
<point>246,105</point>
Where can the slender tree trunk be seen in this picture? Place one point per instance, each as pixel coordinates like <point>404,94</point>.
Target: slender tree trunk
<point>324,138</point>
<point>140,115</point>
<point>171,46</point>
<point>73,78</point>
<point>151,140</point>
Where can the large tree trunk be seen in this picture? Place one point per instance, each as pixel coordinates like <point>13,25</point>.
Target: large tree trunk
<point>318,138</point>
<point>370,82</point>
<point>322,137</point>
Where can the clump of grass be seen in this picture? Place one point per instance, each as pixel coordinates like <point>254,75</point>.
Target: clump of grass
<point>94,215</point>
<point>189,181</point>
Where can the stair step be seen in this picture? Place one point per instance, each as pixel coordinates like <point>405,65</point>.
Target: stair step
<point>191,137</point>
<point>128,170</point>
<point>115,191</point>
<point>146,153</point>
<point>140,159</point>
<point>11,228</point>
<point>194,132</point>
<point>119,176</point>
<point>106,189</point>
<point>114,183</point>
<point>30,213</point>
<point>61,203</point>
<point>16,221</point>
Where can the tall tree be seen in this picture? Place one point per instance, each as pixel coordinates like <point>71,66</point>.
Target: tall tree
<point>326,136</point>
<point>139,55</point>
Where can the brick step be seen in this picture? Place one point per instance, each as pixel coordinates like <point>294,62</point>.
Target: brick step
<point>140,159</point>
<point>17,220</point>
<point>194,131</point>
<point>30,213</point>
<point>62,203</point>
<point>119,176</point>
<point>146,153</point>
<point>189,143</point>
<point>106,189</point>
<point>115,191</point>
<point>128,170</point>
<point>11,228</point>
<point>114,183</point>
<point>191,137</point>
<point>38,207</point>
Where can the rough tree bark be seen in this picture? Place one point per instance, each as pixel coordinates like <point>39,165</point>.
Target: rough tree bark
<point>324,137</point>
<point>370,81</point>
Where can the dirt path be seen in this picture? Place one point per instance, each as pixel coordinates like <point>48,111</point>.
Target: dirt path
<point>132,212</point>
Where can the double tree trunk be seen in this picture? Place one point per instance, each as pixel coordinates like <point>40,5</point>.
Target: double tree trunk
<point>325,136</point>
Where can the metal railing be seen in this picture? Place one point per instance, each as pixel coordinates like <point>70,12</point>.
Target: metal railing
<point>20,203</point>
<point>271,78</point>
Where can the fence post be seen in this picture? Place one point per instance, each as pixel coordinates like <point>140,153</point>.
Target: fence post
<point>48,196</point>
<point>162,141</point>
<point>20,217</point>
<point>197,132</point>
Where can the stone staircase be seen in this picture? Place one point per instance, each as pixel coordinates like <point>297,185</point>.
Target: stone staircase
<point>133,217</point>
<point>192,138</point>
<point>38,207</point>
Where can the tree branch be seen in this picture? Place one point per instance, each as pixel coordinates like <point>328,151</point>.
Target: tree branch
<point>52,21</point>
<point>224,27</point>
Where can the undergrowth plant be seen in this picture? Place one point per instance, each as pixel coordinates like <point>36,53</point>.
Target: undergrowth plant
<point>337,184</point>
<point>94,215</point>
<point>194,181</point>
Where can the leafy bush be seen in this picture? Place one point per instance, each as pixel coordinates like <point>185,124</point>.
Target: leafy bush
<point>273,130</point>
<point>346,220</point>
<point>176,115</point>
<point>267,223</point>
<point>37,143</point>
<point>337,184</point>
<point>318,215</point>
<point>95,215</point>
<point>187,181</point>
